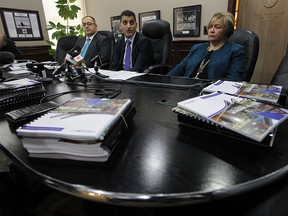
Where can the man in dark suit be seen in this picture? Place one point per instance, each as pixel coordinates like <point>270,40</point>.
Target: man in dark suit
<point>8,45</point>
<point>97,44</point>
<point>140,52</point>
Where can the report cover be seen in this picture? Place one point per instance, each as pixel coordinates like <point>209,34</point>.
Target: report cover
<point>269,93</point>
<point>247,117</point>
<point>77,119</point>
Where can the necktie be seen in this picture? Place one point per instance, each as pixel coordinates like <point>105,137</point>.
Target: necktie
<point>127,56</point>
<point>85,47</point>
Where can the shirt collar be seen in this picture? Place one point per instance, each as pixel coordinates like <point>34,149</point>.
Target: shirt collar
<point>131,39</point>
<point>91,37</point>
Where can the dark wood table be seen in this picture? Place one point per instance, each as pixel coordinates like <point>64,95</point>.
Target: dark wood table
<point>159,163</point>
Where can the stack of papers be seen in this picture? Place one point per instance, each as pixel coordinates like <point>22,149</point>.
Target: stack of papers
<point>85,129</point>
<point>117,75</point>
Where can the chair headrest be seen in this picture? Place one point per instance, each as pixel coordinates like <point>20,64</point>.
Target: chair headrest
<point>155,28</point>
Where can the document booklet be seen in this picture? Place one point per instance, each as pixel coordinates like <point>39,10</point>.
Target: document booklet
<point>78,119</point>
<point>93,151</point>
<point>269,93</point>
<point>17,84</point>
<point>62,148</point>
<point>244,116</point>
<point>15,92</point>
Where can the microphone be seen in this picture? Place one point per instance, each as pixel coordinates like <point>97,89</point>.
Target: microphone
<point>72,54</point>
<point>80,61</point>
<point>97,60</point>
<point>98,64</point>
<point>70,57</point>
<point>6,57</point>
<point>59,69</point>
<point>76,49</point>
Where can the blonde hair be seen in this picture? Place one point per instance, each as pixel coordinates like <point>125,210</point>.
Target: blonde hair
<point>228,22</point>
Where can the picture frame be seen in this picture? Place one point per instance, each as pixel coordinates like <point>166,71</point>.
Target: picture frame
<point>186,21</point>
<point>115,28</point>
<point>23,24</point>
<point>145,16</point>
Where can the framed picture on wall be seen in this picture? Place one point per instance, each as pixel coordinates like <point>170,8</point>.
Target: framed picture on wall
<point>21,25</point>
<point>115,28</point>
<point>145,16</point>
<point>186,21</point>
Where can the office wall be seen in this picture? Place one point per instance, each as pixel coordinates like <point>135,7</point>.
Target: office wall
<point>35,5</point>
<point>102,10</point>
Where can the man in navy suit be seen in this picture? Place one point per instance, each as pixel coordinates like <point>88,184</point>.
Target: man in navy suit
<point>97,43</point>
<point>141,54</point>
<point>8,45</point>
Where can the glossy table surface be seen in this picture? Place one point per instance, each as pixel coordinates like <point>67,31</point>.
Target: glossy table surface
<point>159,163</point>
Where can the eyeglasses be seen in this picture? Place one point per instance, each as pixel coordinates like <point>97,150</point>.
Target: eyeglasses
<point>88,24</point>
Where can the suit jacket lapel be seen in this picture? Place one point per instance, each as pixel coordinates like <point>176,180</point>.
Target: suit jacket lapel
<point>122,49</point>
<point>135,48</point>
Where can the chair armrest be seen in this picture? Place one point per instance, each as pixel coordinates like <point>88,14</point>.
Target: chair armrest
<point>158,69</point>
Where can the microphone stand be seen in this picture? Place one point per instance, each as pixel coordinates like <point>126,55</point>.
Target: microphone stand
<point>83,76</point>
<point>96,67</point>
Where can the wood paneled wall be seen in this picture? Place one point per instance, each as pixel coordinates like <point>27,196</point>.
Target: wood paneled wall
<point>37,53</point>
<point>180,50</point>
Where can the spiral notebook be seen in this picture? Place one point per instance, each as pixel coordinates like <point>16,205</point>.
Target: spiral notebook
<point>90,130</point>
<point>18,91</point>
<point>265,93</point>
<point>252,119</point>
<point>77,119</point>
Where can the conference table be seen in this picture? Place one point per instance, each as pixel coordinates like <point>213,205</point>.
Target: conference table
<point>160,162</point>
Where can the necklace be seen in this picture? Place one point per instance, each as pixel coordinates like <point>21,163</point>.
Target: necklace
<point>201,67</point>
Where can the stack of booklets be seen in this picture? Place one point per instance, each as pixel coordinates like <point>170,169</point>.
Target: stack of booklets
<point>251,119</point>
<point>18,91</point>
<point>83,129</point>
<point>266,93</point>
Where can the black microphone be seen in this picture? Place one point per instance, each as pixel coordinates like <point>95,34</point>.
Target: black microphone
<point>97,60</point>
<point>76,49</point>
<point>6,57</point>
<point>66,69</point>
<point>70,55</point>
<point>69,59</point>
<point>97,64</point>
<point>59,69</point>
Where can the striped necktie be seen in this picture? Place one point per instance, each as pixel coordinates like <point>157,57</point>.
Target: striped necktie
<point>127,56</point>
<point>85,47</point>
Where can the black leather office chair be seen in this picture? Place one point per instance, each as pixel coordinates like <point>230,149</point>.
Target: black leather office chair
<point>160,35</point>
<point>250,41</point>
<point>281,75</point>
<point>110,35</point>
<point>64,44</point>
